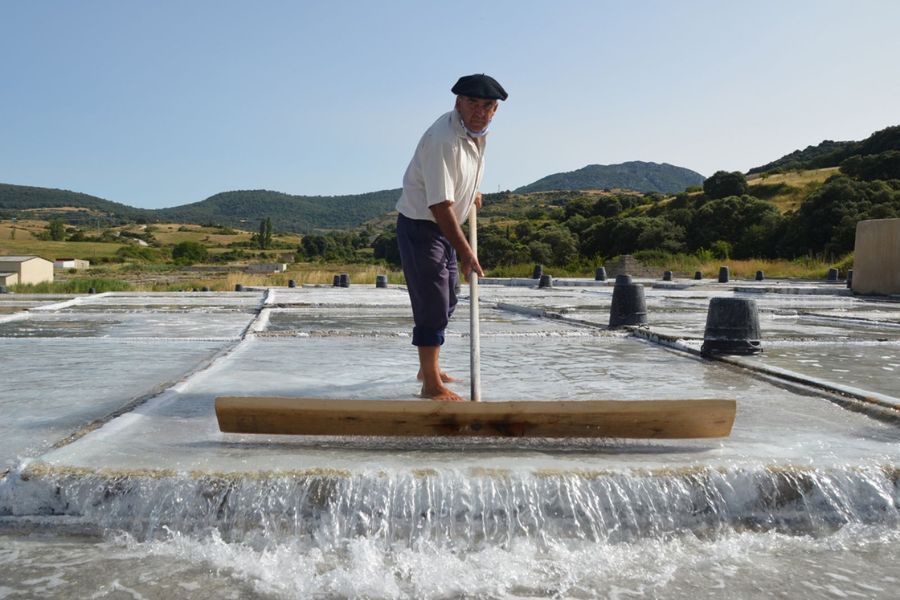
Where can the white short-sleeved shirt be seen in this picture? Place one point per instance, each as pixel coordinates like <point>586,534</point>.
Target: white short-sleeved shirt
<point>447,165</point>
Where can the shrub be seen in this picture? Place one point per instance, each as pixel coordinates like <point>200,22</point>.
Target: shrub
<point>722,184</point>
<point>186,253</point>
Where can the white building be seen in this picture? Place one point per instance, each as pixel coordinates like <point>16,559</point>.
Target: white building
<point>25,269</point>
<point>71,263</point>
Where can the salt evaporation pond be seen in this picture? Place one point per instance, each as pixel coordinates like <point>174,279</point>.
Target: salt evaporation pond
<point>119,483</point>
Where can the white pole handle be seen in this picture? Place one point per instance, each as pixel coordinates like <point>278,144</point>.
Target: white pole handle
<point>474,329</point>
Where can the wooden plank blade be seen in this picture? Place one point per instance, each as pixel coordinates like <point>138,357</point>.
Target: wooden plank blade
<point>659,419</point>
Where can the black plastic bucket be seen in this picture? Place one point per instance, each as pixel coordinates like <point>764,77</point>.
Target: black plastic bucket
<point>628,304</point>
<point>732,327</point>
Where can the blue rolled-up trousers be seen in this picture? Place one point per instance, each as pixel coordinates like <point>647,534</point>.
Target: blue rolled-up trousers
<point>429,265</point>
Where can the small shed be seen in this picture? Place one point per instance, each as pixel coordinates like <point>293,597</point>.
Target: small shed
<point>71,263</point>
<point>26,269</point>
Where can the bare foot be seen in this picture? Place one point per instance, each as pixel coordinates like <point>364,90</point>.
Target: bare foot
<point>441,393</point>
<point>444,377</point>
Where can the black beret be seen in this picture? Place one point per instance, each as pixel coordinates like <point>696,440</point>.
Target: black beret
<point>479,86</point>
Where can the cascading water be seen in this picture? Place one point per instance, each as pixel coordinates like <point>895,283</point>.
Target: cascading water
<point>463,511</point>
<point>329,533</point>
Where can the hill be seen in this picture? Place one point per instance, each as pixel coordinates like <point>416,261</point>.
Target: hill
<point>297,214</point>
<point>831,154</point>
<point>634,175</point>
<point>235,209</point>
<point>24,202</point>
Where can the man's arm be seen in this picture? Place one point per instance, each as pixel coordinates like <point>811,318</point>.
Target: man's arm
<point>449,226</point>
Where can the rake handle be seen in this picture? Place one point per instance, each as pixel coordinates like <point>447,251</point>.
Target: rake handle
<point>474,327</point>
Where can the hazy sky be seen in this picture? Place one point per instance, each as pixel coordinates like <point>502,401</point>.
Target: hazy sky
<point>161,103</point>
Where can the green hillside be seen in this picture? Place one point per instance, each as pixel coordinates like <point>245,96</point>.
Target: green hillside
<point>24,201</point>
<point>832,154</point>
<point>635,175</point>
<point>291,213</point>
<point>245,209</point>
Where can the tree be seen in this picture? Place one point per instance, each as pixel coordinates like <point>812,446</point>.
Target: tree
<point>57,230</point>
<point>497,247</point>
<point>874,166</point>
<point>826,221</point>
<point>187,253</point>
<point>563,245</point>
<point>722,184</point>
<point>267,234</point>
<point>737,220</point>
<point>385,247</point>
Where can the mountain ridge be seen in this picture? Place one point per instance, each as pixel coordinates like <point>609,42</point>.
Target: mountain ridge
<point>640,176</point>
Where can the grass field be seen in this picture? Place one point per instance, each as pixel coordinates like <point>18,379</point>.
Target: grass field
<point>26,244</point>
<point>787,190</point>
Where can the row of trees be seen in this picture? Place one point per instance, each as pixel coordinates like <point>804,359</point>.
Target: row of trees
<point>571,227</point>
<point>724,219</point>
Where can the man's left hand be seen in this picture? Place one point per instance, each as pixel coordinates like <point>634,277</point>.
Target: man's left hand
<point>478,200</point>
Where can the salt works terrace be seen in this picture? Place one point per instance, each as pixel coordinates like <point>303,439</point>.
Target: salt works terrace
<point>116,476</point>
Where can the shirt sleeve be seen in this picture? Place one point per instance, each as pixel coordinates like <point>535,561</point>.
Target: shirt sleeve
<point>438,168</point>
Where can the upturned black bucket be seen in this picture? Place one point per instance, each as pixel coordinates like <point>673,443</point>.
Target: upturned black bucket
<point>628,305</point>
<point>723,274</point>
<point>732,327</point>
<point>546,281</point>
<point>600,274</point>
<point>292,283</point>
<point>336,282</point>
<point>667,276</point>
<point>381,281</point>
<point>345,280</point>
<point>698,275</point>
<point>833,274</point>
<point>538,271</point>
<point>850,278</point>
<point>760,276</point>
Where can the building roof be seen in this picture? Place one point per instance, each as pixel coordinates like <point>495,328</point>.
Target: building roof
<point>18,258</point>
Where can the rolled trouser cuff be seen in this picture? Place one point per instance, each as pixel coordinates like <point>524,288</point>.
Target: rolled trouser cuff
<point>426,336</point>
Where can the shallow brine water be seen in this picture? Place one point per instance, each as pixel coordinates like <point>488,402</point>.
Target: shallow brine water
<point>800,502</point>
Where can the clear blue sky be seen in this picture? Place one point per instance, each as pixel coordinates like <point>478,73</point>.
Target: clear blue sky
<point>161,103</point>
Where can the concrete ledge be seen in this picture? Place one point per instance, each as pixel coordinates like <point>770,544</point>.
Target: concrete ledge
<point>830,290</point>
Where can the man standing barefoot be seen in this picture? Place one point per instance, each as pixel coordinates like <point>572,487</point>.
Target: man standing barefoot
<point>440,187</point>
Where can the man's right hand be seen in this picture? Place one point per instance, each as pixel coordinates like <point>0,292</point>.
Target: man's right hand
<point>468,264</point>
<point>449,226</point>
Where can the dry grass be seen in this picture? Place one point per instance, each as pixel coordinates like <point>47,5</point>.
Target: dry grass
<point>51,250</point>
<point>802,268</point>
<point>788,190</point>
<point>315,274</point>
<point>173,233</point>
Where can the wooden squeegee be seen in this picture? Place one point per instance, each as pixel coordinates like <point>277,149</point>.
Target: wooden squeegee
<point>660,419</point>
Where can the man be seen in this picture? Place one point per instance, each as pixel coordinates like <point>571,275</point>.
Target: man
<point>440,187</point>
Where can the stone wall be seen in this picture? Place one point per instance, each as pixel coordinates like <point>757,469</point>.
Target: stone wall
<point>876,259</point>
<point>629,265</point>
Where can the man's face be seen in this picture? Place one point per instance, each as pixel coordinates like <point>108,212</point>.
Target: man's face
<point>476,113</point>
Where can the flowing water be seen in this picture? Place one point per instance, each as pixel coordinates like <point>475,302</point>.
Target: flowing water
<point>119,484</point>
